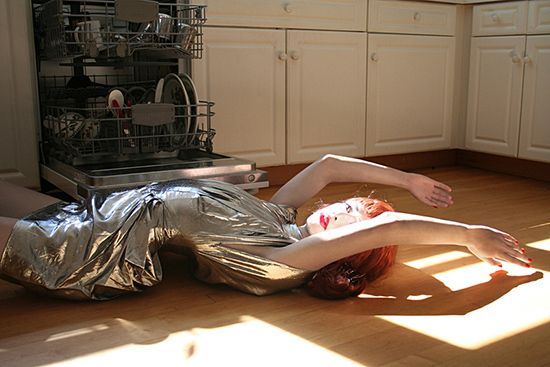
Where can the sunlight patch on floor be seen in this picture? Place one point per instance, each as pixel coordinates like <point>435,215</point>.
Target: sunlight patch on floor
<point>540,245</point>
<point>540,225</point>
<point>254,342</point>
<point>521,308</point>
<point>250,342</point>
<point>75,333</point>
<point>437,259</point>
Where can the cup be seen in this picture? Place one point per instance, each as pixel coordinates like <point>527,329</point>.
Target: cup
<point>163,27</point>
<point>185,35</point>
<point>89,32</point>
<point>159,30</point>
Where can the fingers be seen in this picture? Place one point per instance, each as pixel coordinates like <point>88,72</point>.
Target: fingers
<point>514,260</point>
<point>492,261</point>
<point>440,198</point>
<point>518,256</point>
<point>443,187</point>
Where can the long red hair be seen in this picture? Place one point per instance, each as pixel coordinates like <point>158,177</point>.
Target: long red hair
<point>348,277</point>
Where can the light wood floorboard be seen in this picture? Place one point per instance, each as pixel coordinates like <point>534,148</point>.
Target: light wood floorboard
<point>439,305</point>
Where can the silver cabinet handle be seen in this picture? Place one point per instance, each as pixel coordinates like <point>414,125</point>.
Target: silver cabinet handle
<point>495,17</point>
<point>417,16</point>
<point>288,8</point>
<point>283,56</point>
<point>527,59</point>
<point>374,57</point>
<point>294,55</point>
<point>515,57</point>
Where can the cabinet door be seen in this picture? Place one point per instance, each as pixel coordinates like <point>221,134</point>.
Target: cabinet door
<point>326,94</point>
<point>348,15</point>
<point>241,72</point>
<point>535,118</point>
<point>18,95</point>
<point>494,96</point>
<point>409,93</point>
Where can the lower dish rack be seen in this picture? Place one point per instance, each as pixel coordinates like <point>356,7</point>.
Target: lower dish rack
<point>84,125</point>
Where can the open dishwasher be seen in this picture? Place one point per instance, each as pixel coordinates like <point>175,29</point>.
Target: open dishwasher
<point>118,107</point>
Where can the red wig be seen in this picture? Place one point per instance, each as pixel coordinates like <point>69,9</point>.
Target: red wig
<point>349,276</point>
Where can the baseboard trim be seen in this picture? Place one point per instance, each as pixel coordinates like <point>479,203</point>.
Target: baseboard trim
<point>279,175</point>
<point>508,165</point>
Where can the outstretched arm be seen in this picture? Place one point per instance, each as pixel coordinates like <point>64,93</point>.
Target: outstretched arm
<point>333,168</point>
<point>316,251</point>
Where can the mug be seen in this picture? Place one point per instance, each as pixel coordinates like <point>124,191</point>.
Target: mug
<point>159,30</point>
<point>89,31</point>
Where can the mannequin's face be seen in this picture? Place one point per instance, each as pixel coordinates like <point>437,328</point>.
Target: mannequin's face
<point>335,215</point>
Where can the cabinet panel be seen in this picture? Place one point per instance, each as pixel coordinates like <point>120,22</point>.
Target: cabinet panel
<point>494,96</point>
<point>409,93</point>
<point>18,95</point>
<point>411,17</point>
<point>326,94</point>
<point>500,18</point>
<point>535,120</point>
<point>308,14</point>
<point>242,73</point>
<point>539,16</point>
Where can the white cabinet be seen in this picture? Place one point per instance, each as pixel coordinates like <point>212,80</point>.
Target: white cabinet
<point>534,140</point>
<point>243,72</point>
<point>494,96</point>
<point>509,86</point>
<point>413,17</point>
<point>410,93</point>
<point>410,82</point>
<point>326,80</point>
<point>349,15</point>
<point>18,95</point>
<point>303,90</point>
<point>500,18</point>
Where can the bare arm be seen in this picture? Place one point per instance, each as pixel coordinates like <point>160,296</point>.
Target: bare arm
<point>318,250</point>
<point>333,168</point>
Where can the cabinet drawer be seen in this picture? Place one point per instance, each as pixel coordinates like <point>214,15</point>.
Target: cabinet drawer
<point>305,14</point>
<point>539,16</point>
<point>392,16</point>
<point>500,19</point>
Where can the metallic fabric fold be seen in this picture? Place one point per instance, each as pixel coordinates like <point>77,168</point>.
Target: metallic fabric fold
<point>108,244</point>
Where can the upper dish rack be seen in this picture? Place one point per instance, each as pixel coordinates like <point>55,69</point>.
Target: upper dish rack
<point>119,28</point>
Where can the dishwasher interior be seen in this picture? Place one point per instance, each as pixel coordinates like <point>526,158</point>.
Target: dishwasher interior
<point>118,105</point>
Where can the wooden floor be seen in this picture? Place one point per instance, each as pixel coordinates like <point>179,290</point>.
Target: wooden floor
<point>439,306</point>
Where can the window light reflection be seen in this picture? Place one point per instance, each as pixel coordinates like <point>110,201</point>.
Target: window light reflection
<point>437,259</point>
<point>540,245</point>
<point>494,321</point>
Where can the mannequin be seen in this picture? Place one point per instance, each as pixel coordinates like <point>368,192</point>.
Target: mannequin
<point>108,244</point>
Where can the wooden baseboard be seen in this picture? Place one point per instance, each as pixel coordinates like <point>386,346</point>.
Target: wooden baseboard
<point>279,175</point>
<point>508,165</point>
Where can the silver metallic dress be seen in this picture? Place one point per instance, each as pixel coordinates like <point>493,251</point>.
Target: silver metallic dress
<point>108,244</point>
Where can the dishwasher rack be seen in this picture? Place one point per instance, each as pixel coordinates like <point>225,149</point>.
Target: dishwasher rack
<point>78,125</point>
<point>118,28</point>
<point>122,38</point>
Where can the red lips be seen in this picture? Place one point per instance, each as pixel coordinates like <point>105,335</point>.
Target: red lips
<point>323,220</point>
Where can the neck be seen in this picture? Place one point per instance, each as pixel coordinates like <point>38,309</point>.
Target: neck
<point>304,231</point>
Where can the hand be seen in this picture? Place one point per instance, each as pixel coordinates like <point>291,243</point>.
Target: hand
<point>428,191</point>
<point>493,246</point>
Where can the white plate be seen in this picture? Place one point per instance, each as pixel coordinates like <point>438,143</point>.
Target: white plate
<point>193,101</point>
<point>173,91</point>
<point>159,90</point>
